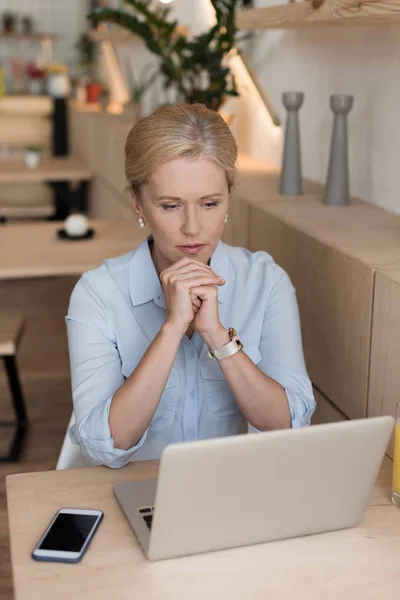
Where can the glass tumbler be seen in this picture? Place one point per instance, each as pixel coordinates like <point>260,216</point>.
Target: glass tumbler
<point>396,460</point>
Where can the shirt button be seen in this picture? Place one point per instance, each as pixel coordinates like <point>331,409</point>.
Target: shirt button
<point>191,354</point>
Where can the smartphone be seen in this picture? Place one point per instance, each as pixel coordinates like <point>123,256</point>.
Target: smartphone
<point>68,535</point>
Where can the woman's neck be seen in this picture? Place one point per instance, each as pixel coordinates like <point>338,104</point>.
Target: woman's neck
<point>159,260</point>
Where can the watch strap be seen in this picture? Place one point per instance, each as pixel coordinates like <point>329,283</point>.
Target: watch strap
<point>228,349</point>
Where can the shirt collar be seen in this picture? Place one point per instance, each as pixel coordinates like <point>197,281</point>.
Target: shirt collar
<point>144,283</point>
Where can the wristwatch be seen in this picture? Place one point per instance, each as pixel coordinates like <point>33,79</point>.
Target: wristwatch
<point>229,349</point>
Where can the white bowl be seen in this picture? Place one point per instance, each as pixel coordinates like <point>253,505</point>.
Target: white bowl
<point>76,225</point>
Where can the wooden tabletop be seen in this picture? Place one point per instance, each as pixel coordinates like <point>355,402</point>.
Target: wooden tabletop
<point>258,181</point>
<point>70,168</point>
<point>30,250</point>
<point>362,562</point>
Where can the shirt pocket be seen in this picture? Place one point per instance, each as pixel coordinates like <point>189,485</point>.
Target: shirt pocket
<point>220,399</point>
<point>166,409</point>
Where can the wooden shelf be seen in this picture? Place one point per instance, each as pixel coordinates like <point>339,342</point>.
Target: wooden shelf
<point>39,37</point>
<point>115,33</point>
<point>112,34</point>
<point>297,15</point>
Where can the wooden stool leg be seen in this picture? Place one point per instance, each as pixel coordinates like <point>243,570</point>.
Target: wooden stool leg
<point>15,386</point>
<point>21,424</point>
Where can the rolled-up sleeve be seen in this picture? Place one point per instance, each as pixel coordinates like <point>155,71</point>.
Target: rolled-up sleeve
<point>95,373</point>
<point>281,348</point>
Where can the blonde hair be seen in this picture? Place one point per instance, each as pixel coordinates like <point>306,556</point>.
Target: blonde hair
<point>179,130</point>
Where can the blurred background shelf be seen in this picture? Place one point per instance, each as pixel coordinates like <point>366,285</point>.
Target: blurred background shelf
<point>40,37</point>
<point>116,34</point>
<point>112,34</point>
<point>319,13</point>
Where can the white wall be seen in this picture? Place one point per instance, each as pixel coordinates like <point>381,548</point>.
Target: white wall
<point>363,61</point>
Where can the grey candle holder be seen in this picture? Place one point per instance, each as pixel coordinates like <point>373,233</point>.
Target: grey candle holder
<point>291,178</point>
<point>337,184</point>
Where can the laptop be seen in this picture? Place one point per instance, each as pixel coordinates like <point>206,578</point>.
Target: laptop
<point>247,489</point>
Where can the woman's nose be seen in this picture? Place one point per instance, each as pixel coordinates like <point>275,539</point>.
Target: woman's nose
<point>191,225</point>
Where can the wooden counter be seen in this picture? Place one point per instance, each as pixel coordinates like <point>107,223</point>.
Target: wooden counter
<point>355,563</point>
<point>331,254</point>
<point>384,388</point>
<point>33,250</point>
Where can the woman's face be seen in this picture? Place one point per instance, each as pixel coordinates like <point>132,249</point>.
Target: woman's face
<point>184,203</point>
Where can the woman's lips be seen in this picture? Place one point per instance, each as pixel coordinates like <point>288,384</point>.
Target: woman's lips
<point>192,248</point>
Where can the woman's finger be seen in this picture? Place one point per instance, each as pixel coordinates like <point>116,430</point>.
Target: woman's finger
<point>196,300</point>
<point>166,275</point>
<point>191,275</point>
<point>205,292</point>
<point>185,262</point>
<point>200,280</point>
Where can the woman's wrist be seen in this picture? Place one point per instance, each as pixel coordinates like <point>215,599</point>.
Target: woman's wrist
<point>173,331</point>
<point>216,338</point>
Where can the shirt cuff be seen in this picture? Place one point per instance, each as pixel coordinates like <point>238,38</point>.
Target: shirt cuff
<point>94,436</point>
<point>301,409</point>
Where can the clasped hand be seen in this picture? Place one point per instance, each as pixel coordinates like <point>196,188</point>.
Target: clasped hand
<point>191,295</point>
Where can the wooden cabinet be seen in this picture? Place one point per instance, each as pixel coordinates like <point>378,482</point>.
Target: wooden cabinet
<point>325,412</point>
<point>236,231</point>
<point>334,293</point>
<point>107,203</point>
<point>384,388</point>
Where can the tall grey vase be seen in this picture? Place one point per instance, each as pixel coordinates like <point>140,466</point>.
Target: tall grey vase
<point>337,183</point>
<point>291,180</point>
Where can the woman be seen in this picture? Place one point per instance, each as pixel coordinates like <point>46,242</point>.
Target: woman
<point>140,327</point>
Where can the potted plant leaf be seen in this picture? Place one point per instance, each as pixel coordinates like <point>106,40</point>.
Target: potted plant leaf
<point>87,60</point>
<point>138,86</point>
<point>196,68</point>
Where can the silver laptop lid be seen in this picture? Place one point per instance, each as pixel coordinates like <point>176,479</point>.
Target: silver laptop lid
<point>246,489</point>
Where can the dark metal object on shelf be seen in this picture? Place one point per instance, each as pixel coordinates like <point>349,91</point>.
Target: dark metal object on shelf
<point>9,20</point>
<point>67,197</point>
<point>27,25</point>
<point>60,145</point>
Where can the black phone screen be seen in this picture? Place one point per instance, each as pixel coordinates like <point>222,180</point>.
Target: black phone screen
<point>68,532</point>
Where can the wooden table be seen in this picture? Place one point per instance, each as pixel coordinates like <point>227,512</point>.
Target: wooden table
<point>67,176</point>
<point>70,168</point>
<point>355,563</point>
<point>30,250</point>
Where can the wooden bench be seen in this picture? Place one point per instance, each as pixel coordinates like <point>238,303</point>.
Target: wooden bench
<point>11,329</point>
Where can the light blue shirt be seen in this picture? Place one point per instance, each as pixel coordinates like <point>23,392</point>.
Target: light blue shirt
<point>116,311</point>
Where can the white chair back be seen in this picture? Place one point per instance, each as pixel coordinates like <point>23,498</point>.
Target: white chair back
<point>70,456</point>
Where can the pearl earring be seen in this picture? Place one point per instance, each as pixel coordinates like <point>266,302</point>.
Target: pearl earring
<point>226,219</point>
<point>142,222</point>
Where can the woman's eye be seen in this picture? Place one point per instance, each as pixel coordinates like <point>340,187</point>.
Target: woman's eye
<point>210,204</point>
<point>170,206</point>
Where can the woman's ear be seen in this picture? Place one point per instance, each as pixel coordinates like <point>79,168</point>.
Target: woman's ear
<point>137,206</point>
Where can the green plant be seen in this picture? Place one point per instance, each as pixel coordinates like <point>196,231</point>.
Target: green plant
<point>138,86</point>
<point>33,149</point>
<point>87,54</point>
<point>196,67</point>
